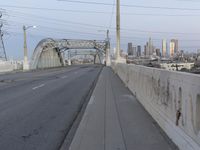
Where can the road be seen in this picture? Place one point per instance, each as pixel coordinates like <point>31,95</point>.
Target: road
<point>38,108</point>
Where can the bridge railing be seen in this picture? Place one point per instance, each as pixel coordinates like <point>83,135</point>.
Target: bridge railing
<point>172,99</point>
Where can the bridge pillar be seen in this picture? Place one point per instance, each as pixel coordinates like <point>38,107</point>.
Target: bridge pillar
<point>69,58</point>
<point>108,56</point>
<point>97,59</point>
<point>63,59</point>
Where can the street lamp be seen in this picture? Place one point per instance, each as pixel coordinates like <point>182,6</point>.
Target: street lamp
<point>26,64</point>
<point>118,30</point>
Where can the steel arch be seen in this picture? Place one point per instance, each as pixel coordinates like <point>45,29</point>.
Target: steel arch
<point>63,44</point>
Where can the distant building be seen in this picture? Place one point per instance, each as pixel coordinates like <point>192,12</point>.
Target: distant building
<point>171,49</point>
<point>198,52</point>
<point>176,47</point>
<point>139,51</point>
<point>134,50</point>
<point>158,52</point>
<point>150,46</point>
<point>176,66</point>
<point>145,50</point>
<point>130,49</point>
<point>164,48</point>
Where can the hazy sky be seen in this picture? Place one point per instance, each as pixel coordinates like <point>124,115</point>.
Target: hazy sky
<point>62,19</point>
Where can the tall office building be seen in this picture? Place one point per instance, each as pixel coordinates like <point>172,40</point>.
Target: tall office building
<point>176,48</point>
<point>147,49</point>
<point>172,49</point>
<point>150,46</point>
<point>158,52</point>
<point>164,48</point>
<point>139,51</point>
<point>198,52</point>
<point>134,50</point>
<point>130,49</point>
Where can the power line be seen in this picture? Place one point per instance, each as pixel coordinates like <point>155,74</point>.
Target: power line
<point>59,20</point>
<point>165,15</point>
<point>159,32</point>
<point>123,29</point>
<point>97,12</point>
<point>100,26</point>
<point>52,9</point>
<point>111,18</point>
<point>60,30</point>
<point>129,5</point>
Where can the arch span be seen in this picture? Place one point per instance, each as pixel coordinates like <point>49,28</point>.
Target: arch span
<point>48,52</point>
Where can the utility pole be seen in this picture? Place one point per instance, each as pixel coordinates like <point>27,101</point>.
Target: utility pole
<point>118,30</point>
<point>25,64</point>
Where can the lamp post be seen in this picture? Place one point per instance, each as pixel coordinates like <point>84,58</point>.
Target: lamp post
<point>26,63</point>
<point>118,30</point>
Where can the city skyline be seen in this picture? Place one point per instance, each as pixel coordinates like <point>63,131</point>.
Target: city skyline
<point>169,48</point>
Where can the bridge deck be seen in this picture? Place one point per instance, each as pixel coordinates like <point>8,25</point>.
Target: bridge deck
<point>115,120</point>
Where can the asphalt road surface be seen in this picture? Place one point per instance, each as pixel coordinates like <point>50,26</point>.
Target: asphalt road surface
<point>37,108</point>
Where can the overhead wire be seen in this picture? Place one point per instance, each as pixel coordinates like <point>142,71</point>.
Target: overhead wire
<point>98,12</point>
<point>130,5</point>
<point>97,26</point>
<point>57,21</point>
<point>112,13</point>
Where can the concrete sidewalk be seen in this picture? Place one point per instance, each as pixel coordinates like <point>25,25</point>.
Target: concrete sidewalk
<point>115,120</point>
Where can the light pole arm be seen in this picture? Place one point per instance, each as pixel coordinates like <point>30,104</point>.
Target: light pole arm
<point>26,28</point>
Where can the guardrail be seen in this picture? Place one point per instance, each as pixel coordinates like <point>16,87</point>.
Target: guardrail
<point>172,98</point>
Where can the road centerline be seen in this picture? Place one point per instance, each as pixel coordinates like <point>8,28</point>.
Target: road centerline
<point>63,77</point>
<point>37,87</point>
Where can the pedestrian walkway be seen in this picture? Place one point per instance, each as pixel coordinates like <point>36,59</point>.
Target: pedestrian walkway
<point>115,120</point>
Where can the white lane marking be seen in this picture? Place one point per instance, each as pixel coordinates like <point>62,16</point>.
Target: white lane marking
<point>39,86</point>
<point>64,77</point>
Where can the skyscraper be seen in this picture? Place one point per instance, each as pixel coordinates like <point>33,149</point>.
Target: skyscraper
<point>172,49</point>
<point>134,50</point>
<point>176,48</point>
<point>139,51</point>
<point>150,46</point>
<point>198,53</point>
<point>147,49</point>
<point>158,52</point>
<point>130,49</point>
<point>164,48</point>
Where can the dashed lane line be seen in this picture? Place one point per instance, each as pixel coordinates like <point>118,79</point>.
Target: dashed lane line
<point>37,87</point>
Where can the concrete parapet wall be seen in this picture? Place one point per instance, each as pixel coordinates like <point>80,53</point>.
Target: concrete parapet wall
<point>7,66</point>
<point>172,99</point>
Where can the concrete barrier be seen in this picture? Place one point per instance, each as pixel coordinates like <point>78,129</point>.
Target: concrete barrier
<point>172,99</point>
<point>7,66</point>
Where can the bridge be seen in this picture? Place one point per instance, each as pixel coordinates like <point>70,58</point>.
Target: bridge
<point>90,107</point>
<point>97,107</point>
<point>49,52</point>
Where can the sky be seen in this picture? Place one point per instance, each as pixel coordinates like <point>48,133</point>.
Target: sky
<point>140,19</point>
